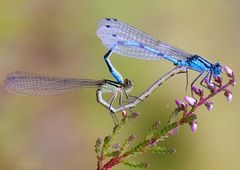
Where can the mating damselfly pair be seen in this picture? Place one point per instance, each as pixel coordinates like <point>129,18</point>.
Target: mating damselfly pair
<point>125,40</point>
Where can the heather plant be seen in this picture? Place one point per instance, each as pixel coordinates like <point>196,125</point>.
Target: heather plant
<point>110,153</point>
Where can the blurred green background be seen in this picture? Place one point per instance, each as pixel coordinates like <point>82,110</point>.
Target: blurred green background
<point>58,37</point>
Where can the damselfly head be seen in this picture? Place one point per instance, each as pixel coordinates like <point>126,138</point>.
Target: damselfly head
<point>128,84</point>
<point>217,69</point>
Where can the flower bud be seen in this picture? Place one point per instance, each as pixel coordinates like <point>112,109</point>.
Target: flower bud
<point>180,104</point>
<point>234,83</point>
<point>98,143</point>
<point>228,95</point>
<point>124,114</point>
<point>115,146</point>
<point>131,138</point>
<point>174,131</point>
<point>228,71</point>
<point>209,105</point>
<point>156,125</point>
<point>191,101</point>
<point>210,85</point>
<point>153,141</point>
<point>197,90</point>
<point>194,126</point>
<point>135,114</point>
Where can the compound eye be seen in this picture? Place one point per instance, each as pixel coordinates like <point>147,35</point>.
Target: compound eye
<point>218,65</point>
<point>128,83</point>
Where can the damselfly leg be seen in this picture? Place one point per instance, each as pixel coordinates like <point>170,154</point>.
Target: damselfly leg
<point>114,88</point>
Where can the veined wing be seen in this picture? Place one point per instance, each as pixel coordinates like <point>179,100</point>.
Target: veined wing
<point>128,41</point>
<point>24,83</point>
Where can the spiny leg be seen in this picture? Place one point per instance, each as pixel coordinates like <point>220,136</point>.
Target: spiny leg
<point>195,81</point>
<point>210,80</point>
<point>120,98</point>
<point>114,117</point>
<point>126,94</point>
<point>107,105</point>
<point>127,97</point>
<point>201,83</point>
<point>114,96</point>
<point>130,96</point>
<point>111,98</point>
<point>186,79</point>
<point>134,98</point>
<point>210,77</point>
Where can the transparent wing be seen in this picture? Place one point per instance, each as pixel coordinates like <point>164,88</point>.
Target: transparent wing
<point>115,33</point>
<point>24,83</point>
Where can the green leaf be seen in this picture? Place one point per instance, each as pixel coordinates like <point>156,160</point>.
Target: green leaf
<point>151,132</point>
<point>173,116</point>
<point>131,138</point>
<point>163,150</point>
<point>164,132</point>
<point>108,140</point>
<point>190,118</point>
<point>112,154</point>
<point>135,164</point>
<point>97,147</point>
<point>117,129</point>
<point>106,145</point>
<point>138,148</point>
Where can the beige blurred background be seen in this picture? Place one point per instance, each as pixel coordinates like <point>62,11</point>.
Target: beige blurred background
<point>58,37</point>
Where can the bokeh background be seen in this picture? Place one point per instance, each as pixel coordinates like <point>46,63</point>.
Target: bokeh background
<point>58,37</point>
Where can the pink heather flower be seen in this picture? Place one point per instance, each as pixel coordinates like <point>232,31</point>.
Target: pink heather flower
<point>174,131</point>
<point>194,126</point>
<point>228,71</point>
<point>210,85</point>
<point>209,105</point>
<point>156,125</point>
<point>131,138</point>
<point>228,95</point>
<point>180,104</point>
<point>234,83</point>
<point>115,146</point>
<point>197,90</point>
<point>124,114</point>
<point>153,142</point>
<point>135,114</point>
<point>191,101</point>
